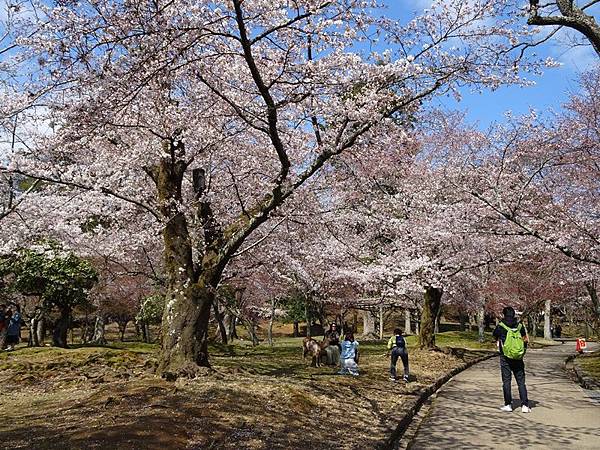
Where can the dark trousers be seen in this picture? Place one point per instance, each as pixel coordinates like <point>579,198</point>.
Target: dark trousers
<point>508,367</point>
<point>398,352</point>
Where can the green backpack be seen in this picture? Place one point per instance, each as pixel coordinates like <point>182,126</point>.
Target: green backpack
<point>514,346</point>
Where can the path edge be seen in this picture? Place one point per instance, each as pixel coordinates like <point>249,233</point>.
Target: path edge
<point>413,406</point>
<point>581,376</point>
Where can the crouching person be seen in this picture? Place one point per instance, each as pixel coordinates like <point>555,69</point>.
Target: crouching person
<point>397,347</point>
<point>349,355</point>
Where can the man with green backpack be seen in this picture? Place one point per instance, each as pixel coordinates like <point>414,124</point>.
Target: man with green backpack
<point>512,340</point>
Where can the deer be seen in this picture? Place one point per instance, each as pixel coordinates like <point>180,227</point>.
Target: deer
<point>314,348</point>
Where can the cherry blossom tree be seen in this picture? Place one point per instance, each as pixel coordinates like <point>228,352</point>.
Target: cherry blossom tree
<point>201,121</point>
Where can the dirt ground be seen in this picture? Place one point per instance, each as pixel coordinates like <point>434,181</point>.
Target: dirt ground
<point>253,398</point>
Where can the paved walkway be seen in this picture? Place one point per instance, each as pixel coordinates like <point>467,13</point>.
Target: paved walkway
<point>466,412</point>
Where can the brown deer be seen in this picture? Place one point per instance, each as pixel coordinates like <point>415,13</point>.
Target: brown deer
<point>314,348</point>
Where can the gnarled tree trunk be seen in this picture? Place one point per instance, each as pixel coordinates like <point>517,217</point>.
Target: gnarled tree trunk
<point>61,328</point>
<point>431,304</point>
<point>98,337</point>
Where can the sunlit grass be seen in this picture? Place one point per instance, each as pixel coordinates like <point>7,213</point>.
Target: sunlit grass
<point>591,365</point>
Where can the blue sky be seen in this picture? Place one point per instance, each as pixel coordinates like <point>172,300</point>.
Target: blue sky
<point>550,91</point>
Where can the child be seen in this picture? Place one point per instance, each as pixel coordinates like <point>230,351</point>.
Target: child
<point>397,344</point>
<point>349,355</point>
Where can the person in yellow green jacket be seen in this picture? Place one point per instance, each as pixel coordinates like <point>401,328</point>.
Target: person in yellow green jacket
<point>397,345</point>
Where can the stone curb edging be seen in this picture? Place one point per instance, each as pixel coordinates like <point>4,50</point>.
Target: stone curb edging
<point>582,377</point>
<point>413,406</point>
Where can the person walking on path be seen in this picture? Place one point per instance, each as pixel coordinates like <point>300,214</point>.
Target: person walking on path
<point>511,338</point>
<point>349,356</point>
<point>397,345</point>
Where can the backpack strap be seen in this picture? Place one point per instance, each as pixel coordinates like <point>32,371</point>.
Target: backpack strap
<point>503,325</point>
<point>507,328</point>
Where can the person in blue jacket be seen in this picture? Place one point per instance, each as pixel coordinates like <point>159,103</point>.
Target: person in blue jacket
<point>13,332</point>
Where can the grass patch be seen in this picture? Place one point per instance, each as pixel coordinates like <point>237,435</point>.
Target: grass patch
<point>591,366</point>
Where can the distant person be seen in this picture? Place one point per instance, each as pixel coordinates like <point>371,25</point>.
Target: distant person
<point>511,338</point>
<point>3,326</point>
<point>332,350</point>
<point>349,355</point>
<point>557,331</point>
<point>13,332</point>
<point>397,345</point>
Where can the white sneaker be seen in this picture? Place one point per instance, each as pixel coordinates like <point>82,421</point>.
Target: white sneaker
<point>525,409</point>
<point>506,408</point>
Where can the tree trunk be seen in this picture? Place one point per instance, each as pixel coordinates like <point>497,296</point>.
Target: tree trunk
<point>431,305</point>
<point>147,332</point>
<point>438,317</point>
<point>33,337</point>
<point>251,327</point>
<point>472,322</point>
<point>122,324</point>
<point>61,329</point>
<point>307,318</point>
<point>547,320</point>
<point>143,330</point>
<point>37,328</point>
<point>271,320</point>
<point>591,287</point>
<point>220,324</point>
<point>407,327</point>
<point>368,323</point>
<point>381,322</point>
<point>85,331</point>
<point>534,325</point>
<point>481,323</point>
<point>185,331</point>
<point>296,329</point>
<point>463,321</point>
<point>98,336</point>
<point>190,291</point>
<point>231,329</point>
<point>41,330</point>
